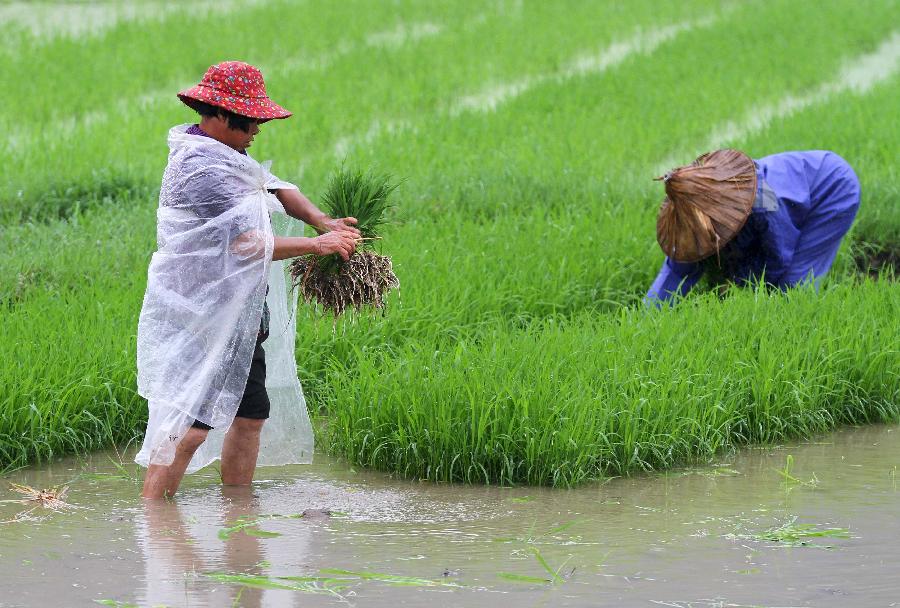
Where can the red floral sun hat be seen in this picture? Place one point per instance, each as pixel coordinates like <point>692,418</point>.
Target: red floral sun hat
<point>237,87</point>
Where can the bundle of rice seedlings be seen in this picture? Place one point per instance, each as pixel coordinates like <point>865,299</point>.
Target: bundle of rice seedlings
<point>367,277</point>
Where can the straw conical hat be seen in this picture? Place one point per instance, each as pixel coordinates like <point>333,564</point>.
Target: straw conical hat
<point>706,204</point>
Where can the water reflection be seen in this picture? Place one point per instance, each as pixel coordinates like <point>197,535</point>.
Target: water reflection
<point>181,543</point>
<point>672,539</point>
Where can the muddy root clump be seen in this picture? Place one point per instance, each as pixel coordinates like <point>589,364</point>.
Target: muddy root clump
<point>335,285</point>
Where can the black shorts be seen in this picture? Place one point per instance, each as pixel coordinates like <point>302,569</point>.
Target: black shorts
<point>255,402</point>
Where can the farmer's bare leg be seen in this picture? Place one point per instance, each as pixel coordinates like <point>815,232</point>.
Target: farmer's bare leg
<point>163,481</point>
<point>240,450</point>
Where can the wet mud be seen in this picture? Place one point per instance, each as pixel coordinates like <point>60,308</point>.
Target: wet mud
<point>881,260</point>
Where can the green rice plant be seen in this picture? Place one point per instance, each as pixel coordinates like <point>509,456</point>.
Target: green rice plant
<point>123,473</point>
<point>415,77</point>
<point>521,499</point>
<point>248,527</point>
<point>523,578</point>
<point>789,480</point>
<point>361,195</point>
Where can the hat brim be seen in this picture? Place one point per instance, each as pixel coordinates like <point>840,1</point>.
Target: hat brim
<point>707,203</point>
<point>261,108</point>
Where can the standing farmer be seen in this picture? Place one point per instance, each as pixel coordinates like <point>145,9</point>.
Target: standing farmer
<point>779,219</point>
<point>201,361</point>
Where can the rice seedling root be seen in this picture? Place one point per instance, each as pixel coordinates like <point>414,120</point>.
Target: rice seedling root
<point>363,280</point>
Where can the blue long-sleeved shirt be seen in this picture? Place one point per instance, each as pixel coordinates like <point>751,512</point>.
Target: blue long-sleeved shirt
<point>805,203</point>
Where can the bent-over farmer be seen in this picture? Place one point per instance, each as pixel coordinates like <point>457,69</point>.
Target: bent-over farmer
<point>779,219</point>
<point>216,290</point>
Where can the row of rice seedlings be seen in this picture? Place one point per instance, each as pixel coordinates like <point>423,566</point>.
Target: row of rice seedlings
<point>537,157</point>
<point>328,116</point>
<point>578,400</point>
<point>324,28</point>
<point>81,397</point>
<point>339,107</point>
<point>70,386</point>
<point>91,364</point>
<point>74,374</point>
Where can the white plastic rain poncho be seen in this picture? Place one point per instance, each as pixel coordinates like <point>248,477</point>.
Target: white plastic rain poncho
<point>205,291</point>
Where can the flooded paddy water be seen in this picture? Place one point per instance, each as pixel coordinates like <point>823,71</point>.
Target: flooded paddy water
<point>810,524</point>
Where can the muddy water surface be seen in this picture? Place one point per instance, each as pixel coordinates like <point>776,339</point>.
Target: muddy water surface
<point>691,537</point>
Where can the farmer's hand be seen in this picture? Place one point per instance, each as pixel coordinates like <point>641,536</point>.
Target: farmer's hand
<point>345,224</point>
<point>341,242</point>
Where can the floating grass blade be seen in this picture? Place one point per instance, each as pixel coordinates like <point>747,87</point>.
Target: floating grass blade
<point>555,577</point>
<point>792,534</point>
<point>554,574</point>
<point>797,535</point>
<point>327,586</point>
<point>249,525</point>
<point>522,499</point>
<point>522,578</point>
<point>392,579</point>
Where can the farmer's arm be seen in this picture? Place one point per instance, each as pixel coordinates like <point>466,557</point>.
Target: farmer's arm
<point>252,245</point>
<point>340,242</point>
<point>675,278</point>
<point>298,206</point>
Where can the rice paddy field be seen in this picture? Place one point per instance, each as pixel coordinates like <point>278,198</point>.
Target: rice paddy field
<point>737,449</point>
<point>528,133</point>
